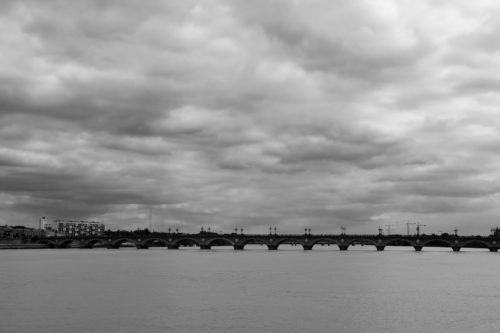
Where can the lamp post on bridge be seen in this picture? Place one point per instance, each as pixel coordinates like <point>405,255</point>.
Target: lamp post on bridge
<point>380,231</point>
<point>275,231</point>
<point>309,231</point>
<point>455,231</point>
<point>241,231</point>
<point>342,230</point>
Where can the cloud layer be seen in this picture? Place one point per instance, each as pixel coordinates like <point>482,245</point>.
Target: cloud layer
<point>250,114</point>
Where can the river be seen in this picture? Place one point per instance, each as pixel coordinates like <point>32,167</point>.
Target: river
<point>255,290</point>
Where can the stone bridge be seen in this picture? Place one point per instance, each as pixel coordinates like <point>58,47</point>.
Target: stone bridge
<point>206,241</point>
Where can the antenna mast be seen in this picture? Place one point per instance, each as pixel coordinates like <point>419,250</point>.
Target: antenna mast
<point>150,219</point>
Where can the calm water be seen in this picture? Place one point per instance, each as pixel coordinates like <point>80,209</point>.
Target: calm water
<point>222,290</point>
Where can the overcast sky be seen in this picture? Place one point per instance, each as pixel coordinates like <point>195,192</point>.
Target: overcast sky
<point>251,114</point>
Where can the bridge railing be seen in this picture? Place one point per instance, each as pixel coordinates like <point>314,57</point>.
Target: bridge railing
<point>233,235</point>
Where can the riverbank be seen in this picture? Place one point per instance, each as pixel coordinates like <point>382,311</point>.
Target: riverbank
<point>9,244</point>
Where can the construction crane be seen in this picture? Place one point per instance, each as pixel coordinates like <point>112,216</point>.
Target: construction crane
<point>408,227</point>
<point>418,228</point>
<point>388,229</point>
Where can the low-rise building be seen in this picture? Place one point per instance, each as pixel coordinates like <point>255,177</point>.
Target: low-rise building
<point>74,228</point>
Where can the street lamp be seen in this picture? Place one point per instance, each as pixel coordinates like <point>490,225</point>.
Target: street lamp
<point>241,231</point>
<point>309,231</point>
<point>274,231</point>
<point>342,228</point>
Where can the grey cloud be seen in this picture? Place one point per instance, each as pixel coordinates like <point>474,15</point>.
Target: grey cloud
<point>247,114</point>
<point>479,85</point>
<point>346,39</point>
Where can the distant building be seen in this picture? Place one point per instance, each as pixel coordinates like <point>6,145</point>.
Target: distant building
<point>20,232</point>
<point>74,228</point>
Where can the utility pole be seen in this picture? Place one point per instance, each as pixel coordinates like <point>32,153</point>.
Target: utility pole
<point>408,227</point>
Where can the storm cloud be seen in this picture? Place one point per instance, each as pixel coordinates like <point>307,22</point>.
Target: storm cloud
<point>251,114</point>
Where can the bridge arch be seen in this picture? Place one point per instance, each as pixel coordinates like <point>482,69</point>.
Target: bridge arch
<point>292,241</point>
<point>253,241</point>
<point>362,241</point>
<point>115,244</point>
<point>393,241</point>
<point>438,241</point>
<point>187,240</point>
<point>90,243</point>
<point>150,241</point>
<point>324,240</point>
<point>63,244</point>
<point>211,241</point>
<point>476,242</point>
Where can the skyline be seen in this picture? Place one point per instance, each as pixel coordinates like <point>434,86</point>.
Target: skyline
<point>228,114</point>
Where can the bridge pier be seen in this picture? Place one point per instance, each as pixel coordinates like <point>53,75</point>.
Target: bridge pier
<point>343,247</point>
<point>205,247</point>
<point>455,248</point>
<point>111,246</point>
<point>272,247</point>
<point>380,247</point>
<point>141,247</point>
<point>238,247</point>
<point>493,249</point>
<point>418,248</point>
<point>307,247</point>
<point>173,247</point>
